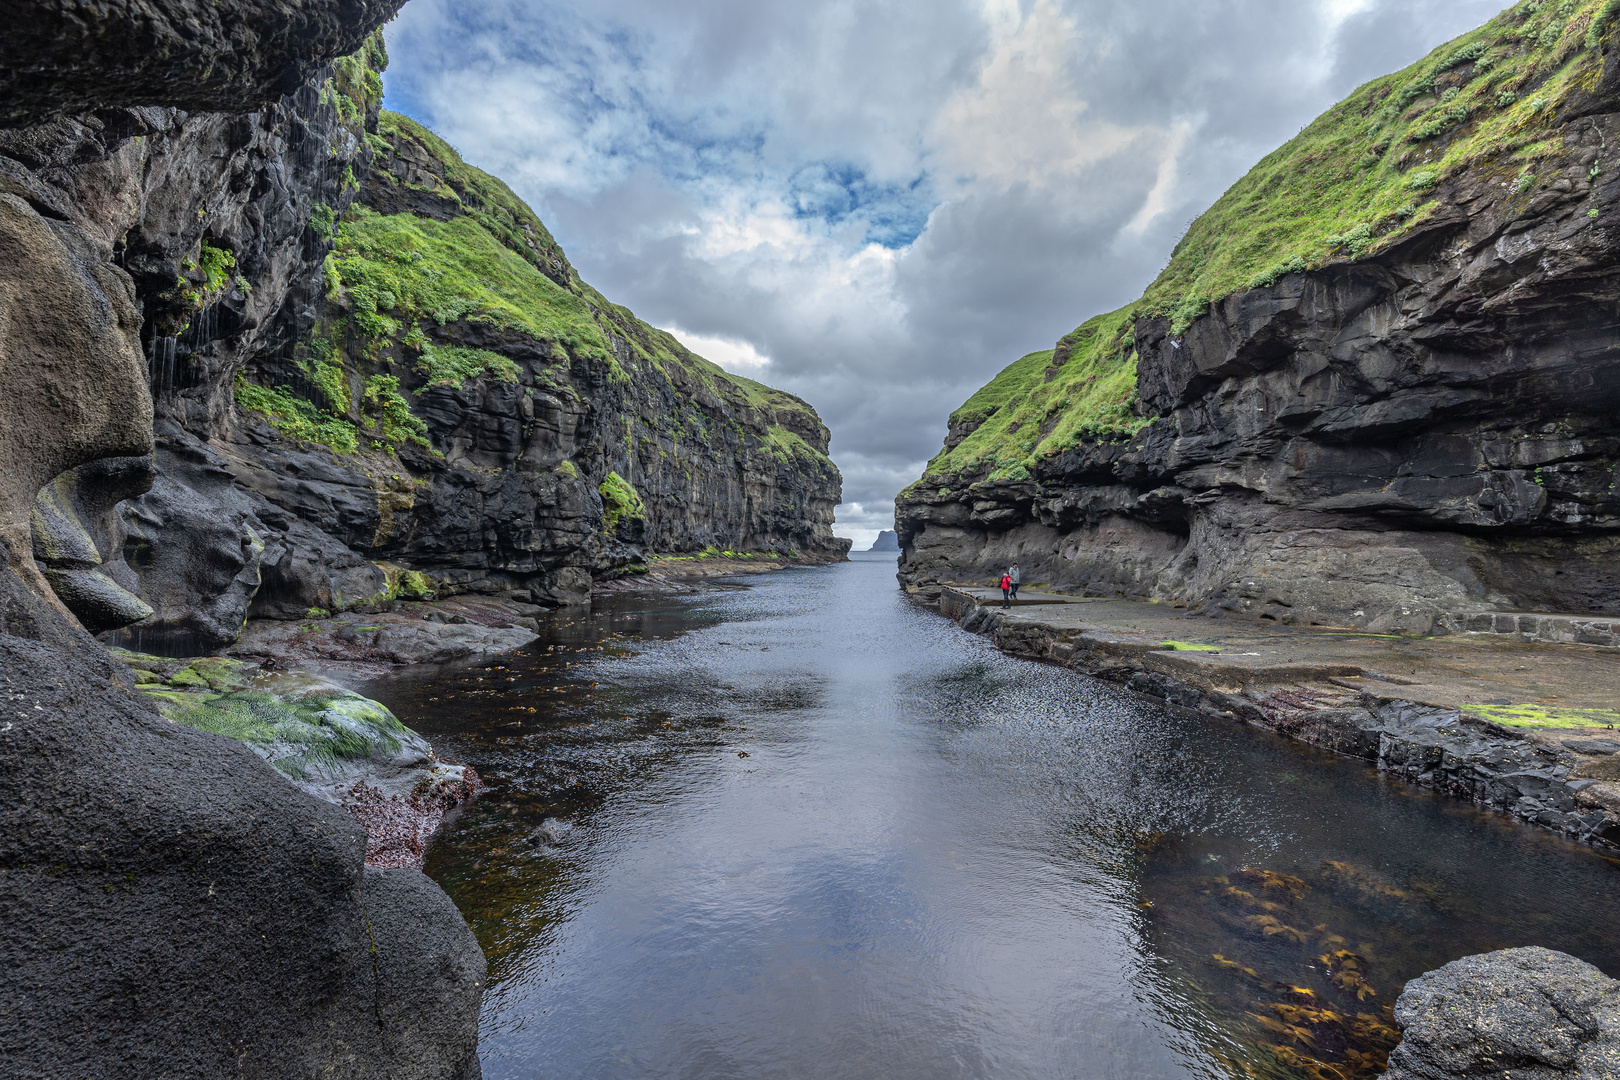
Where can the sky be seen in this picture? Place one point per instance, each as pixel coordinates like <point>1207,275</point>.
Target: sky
<point>878,205</point>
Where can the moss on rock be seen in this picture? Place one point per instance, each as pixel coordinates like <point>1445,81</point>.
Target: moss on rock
<point>305,727</point>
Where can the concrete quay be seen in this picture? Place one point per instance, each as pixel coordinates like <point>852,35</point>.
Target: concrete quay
<point>1508,720</point>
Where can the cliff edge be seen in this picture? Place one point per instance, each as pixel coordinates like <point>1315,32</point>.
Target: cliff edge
<point>1376,383</point>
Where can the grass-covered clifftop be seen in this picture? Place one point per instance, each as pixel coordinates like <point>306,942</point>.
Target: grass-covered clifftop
<point>1363,175</point>
<point>1045,403</point>
<point>435,242</point>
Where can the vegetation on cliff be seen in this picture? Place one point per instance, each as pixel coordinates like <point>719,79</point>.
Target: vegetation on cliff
<point>1365,173</point>
<point>1358,179</point>
<point>1044,404</point>
<point>450,244</point>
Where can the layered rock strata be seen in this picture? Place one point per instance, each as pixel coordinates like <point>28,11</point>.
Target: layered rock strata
<point>1412,419</point>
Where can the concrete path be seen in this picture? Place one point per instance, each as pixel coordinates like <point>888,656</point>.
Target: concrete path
<point>1521,683</point>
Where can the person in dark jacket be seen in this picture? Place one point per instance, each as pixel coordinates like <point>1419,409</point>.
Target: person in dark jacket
<point>1012,576</point>
<point>1006,587</point>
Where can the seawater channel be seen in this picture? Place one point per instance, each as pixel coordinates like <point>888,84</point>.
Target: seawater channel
<point>802,826</point>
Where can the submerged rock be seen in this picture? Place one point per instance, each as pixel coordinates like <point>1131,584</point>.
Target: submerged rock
<point>1527,1014</point>
<point>327,740</point>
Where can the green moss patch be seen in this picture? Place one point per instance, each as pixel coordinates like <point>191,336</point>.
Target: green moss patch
<point>1187,646</point>
<point>1543,716</point>
<point>620,501</point>
<point>303,726</point>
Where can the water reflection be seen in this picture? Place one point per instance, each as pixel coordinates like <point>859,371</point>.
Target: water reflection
<point>805,828</point>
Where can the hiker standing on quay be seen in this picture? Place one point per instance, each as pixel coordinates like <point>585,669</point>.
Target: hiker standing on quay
<point>1006,586</point>
<point>1012,576</point>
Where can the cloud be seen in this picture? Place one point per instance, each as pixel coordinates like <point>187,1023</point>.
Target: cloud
<point>878,205</point>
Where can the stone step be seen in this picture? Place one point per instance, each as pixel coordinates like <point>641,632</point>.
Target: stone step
<point>1558,629</point>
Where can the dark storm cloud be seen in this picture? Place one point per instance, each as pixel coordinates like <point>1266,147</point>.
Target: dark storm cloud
<point>891,201</point>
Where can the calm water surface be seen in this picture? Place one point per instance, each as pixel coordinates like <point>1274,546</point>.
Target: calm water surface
<point>805,827</point>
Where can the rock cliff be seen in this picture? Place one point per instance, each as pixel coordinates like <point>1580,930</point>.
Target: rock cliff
<point>1376,384</point>
<point>374,370</point>
<point>174,906</point>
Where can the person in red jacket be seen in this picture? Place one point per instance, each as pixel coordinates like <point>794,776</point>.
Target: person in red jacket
<point>1006,590</point>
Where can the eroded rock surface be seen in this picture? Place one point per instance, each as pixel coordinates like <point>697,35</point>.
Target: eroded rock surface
<point>67,56</point>
<point>1530,1013</point>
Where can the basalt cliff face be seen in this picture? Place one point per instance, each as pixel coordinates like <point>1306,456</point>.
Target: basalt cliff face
<point>174,906</point>
<point>375,374</point>
<point>1377,384</point>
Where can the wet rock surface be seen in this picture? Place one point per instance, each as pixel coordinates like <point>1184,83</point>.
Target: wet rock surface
<point>1531,1013</point>
<point>1430,725</point>
<point>372,643</point>
<point>328,741</point>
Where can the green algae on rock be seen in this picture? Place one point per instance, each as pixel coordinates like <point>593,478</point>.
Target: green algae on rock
<point>327,740</point>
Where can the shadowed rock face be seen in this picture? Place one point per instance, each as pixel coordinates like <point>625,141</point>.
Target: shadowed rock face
<point>66,56</point>
<point>1368,444</point>
<point>75,383</point>
<point>175,907</point>
<point>1515,1013</point>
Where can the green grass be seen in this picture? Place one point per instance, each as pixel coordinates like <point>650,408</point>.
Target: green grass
<point>391,279</point>
<point>1021,416</point>
<point>620,500</point>
<point>297,418</point>
<point>398,268</point>
<point>451,365</point>
<point>788,448</point>
<point>1543,716</point>
<point>1358,179</point>
<point>571,313</point>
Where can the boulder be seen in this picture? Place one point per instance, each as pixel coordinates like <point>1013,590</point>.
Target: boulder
<point>1524,1014</point>
<point>175,907</point>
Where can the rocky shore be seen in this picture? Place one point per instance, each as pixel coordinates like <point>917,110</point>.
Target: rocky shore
<point>1523,727</point>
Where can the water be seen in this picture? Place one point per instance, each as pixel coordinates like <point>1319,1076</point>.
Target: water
<point>935,861</point>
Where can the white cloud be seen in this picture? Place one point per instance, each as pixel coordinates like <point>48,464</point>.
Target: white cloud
<point>878,205</point>
<point>731,354</point>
